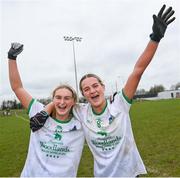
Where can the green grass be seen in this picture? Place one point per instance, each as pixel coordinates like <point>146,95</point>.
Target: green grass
<point>86,164</point>
<point>156,127</point>
<point>14,138</point>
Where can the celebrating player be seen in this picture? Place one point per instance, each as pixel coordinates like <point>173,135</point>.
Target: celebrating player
<point>106,124</point>
<point>55,150</point>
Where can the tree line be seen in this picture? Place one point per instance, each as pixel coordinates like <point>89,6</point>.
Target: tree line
<point>14,104</point>
<point>153,91</point>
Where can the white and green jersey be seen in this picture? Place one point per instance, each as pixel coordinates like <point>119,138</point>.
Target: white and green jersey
<point>110,138</point>
<point>54,150</point>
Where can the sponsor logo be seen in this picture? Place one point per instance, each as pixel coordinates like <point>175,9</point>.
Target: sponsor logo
<point>106,143</point>
<point>53,150</point>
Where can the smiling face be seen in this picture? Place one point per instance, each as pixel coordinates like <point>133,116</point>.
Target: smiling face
<point>93,91</point>
<point>63,100</point>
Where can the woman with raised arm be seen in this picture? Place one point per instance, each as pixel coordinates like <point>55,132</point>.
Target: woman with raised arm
<point>106,124</point>
<point>55,150</point>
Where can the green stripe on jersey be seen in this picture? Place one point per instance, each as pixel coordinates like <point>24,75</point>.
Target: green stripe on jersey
<point>30,104</point>
<point>126,98</point>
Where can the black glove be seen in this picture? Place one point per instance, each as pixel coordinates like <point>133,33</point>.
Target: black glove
<point>161,21</point>
<point>38,121</point>
<point>16,48</point>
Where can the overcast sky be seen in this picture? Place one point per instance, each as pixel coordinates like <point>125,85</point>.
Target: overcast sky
<point>114,32</point>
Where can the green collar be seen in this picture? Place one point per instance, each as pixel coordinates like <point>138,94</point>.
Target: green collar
<point>64,121</point>
<point>94,112</point>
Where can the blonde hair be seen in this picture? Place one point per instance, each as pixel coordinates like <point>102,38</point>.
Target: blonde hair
<point>74,95</point>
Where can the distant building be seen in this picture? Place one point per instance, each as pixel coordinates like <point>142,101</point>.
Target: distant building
<point>169,94</point>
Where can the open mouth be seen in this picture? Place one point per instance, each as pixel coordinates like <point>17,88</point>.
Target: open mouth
<point>95,98</point>
<point>61,108</point>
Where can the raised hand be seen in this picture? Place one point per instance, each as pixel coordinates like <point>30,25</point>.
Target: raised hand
<point>16,48</point>
<point>161,21</point>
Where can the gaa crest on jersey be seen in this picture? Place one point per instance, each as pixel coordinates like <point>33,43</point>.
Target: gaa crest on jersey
<point>98,122</point>
<point>57,133</point>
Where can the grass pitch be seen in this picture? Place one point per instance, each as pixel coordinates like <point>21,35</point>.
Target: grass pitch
<point>156,127</point>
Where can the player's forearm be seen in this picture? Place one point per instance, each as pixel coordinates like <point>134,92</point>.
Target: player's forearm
<point>49,108</point>
<point>140,66</point>
<point>160,23</point>
<point>145,58</point>
<point>14,76</point>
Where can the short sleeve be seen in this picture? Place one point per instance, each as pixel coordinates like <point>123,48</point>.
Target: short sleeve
<point>120,103</point>
<point>34,107</point>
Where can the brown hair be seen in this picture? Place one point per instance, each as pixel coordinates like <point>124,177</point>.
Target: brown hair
<point>74,95</point>
<point>88,76</point>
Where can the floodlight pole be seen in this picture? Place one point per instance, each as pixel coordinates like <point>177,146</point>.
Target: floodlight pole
<point>78,39</point>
